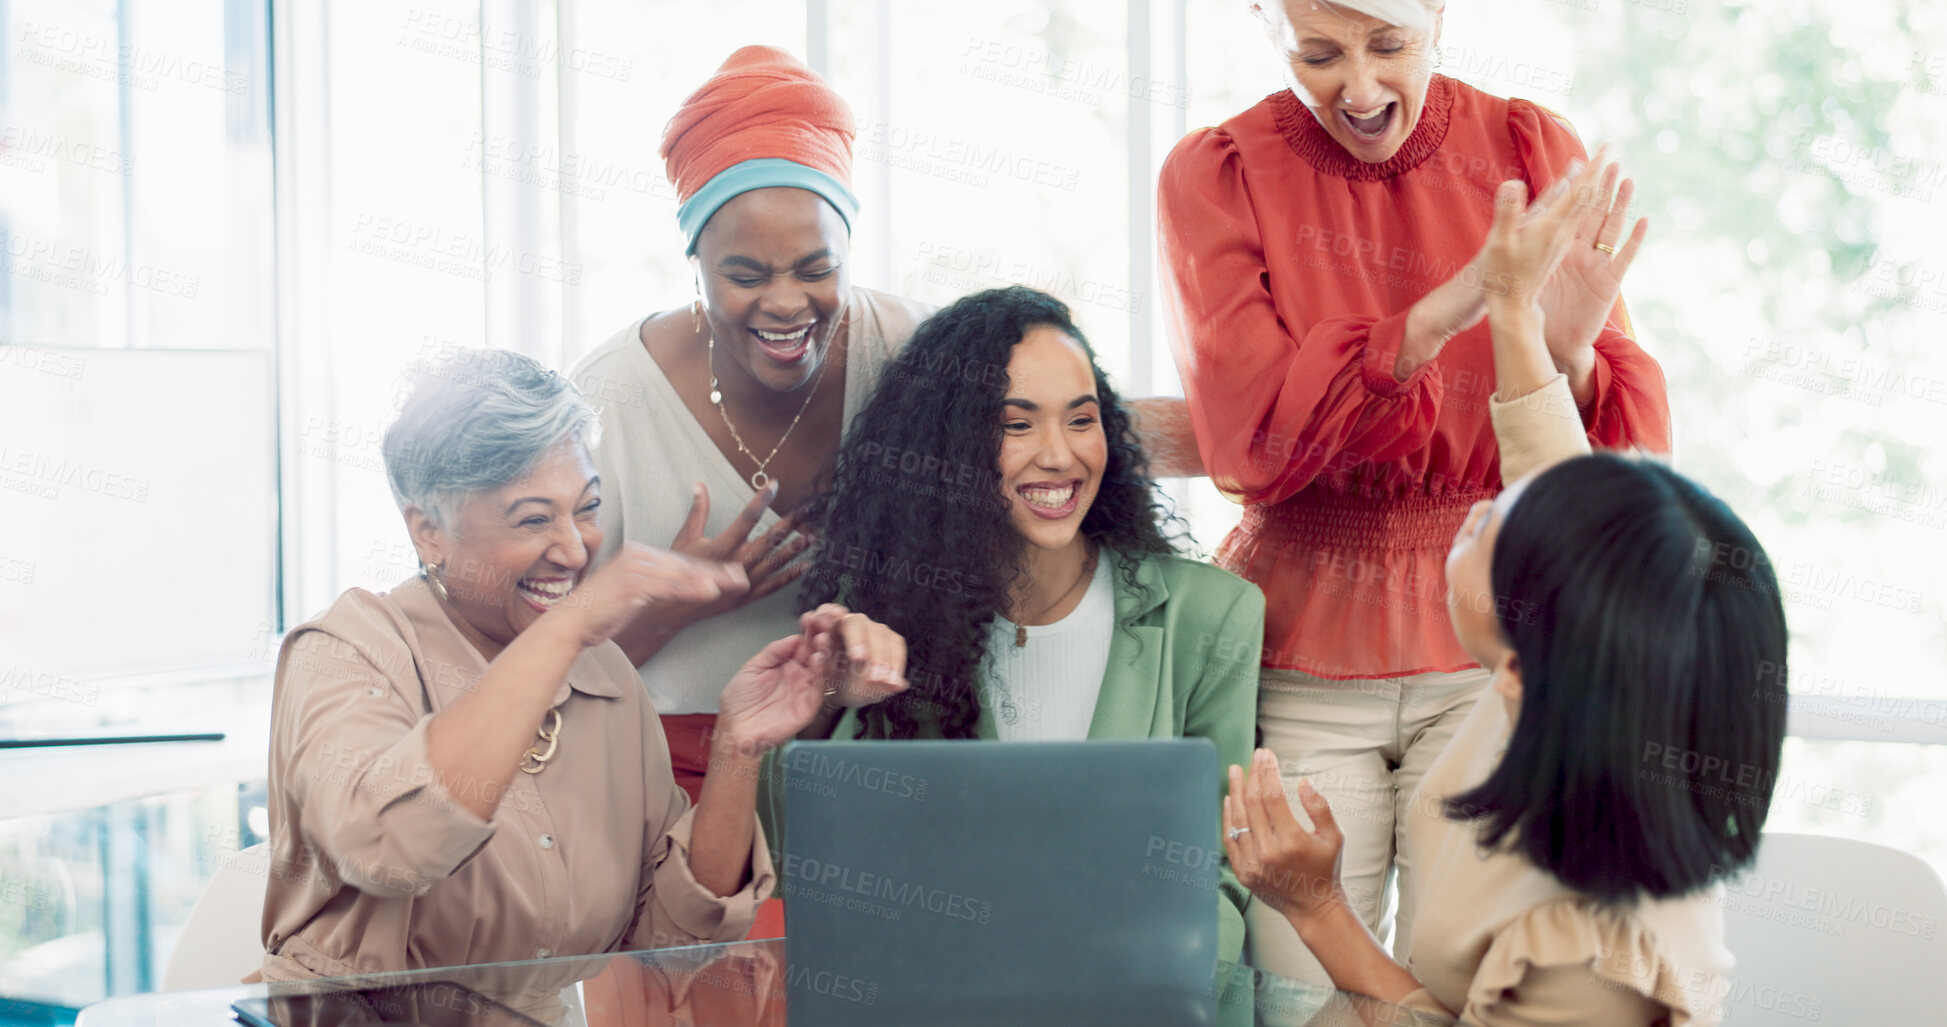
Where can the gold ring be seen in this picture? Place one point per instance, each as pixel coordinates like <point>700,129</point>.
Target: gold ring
<point>1605,247</point>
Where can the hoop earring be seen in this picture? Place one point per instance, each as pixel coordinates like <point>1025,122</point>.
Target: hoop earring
<point>431,574</point>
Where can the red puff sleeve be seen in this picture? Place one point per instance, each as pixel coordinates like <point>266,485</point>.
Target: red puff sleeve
<point>1271,409</point>
<point>1631,407</point>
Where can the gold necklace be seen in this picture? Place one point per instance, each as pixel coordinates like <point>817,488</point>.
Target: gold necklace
<point>1088,571</point>
<point>759,479</point>
<point>533,761</point>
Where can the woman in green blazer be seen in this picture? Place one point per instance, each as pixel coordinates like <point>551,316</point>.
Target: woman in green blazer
<point>991,504</point>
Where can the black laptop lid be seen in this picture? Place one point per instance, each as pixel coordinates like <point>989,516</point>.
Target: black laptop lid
<point>1000,882</point>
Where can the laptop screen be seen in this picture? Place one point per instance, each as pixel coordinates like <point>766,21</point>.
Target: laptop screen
<point>1025,883</point>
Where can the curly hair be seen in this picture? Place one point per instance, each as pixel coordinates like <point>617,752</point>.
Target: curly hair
<point>913,528</point>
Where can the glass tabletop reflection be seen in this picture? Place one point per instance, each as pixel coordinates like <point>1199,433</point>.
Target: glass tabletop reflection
<point>744,983</point>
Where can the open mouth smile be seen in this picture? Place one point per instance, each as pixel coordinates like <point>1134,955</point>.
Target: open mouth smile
<point>785,347</point>
<point>1371,125</point>
<point>1053,500</point>
<point>543,593</point>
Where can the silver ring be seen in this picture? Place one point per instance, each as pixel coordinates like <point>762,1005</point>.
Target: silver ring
<point>1237,832</point>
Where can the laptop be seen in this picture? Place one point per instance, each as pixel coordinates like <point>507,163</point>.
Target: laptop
<point>1000,882</point>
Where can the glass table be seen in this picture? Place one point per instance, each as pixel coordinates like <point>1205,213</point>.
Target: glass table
<point>705,985</point>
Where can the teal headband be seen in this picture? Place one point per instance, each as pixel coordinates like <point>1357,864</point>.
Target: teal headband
<point>761,173</point>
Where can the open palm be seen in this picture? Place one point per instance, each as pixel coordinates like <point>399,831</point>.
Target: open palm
<point>1576,299</point>
<point>840,655</point>
<point>775,694</point>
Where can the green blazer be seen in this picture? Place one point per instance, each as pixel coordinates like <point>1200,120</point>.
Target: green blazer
<point>1183,662</point>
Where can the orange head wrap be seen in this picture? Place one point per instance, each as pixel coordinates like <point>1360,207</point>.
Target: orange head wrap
<point>764,119</point>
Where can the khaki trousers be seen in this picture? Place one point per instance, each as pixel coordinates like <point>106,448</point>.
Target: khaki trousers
<point>1365,745</point>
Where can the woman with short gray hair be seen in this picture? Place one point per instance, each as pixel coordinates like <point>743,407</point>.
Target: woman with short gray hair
<point>465,769</point>
<point>1321,264</point>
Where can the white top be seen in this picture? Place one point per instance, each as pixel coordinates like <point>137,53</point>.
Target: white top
<point>1045,691</point>
<point>651,450</point>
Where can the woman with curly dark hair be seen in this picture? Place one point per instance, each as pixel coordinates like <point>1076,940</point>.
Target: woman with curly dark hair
<point>991,503</point>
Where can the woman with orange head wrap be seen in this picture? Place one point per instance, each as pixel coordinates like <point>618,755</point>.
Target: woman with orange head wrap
<point>723,411</point>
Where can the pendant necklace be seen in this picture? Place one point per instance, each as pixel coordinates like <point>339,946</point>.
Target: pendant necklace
<point>758,479</point>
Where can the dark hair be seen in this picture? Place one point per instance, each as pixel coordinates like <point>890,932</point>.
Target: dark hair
<point>1650,634</point>
<point>913,529</point>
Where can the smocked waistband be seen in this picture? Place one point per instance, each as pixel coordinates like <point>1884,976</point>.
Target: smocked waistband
<point>1318,517</point>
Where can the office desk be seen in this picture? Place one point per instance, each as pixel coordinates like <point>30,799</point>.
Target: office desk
<point>746,983</point>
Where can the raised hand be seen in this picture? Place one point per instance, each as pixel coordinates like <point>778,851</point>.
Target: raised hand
<point>773,696</point>
<point>637,578</point>
<point>1294,870</point>
<point>1577,298</point>
<point>839,655</point>
<point>1525,246</point>
<point>1526,243</point>
<point>1450,308</point>
<point>769,558</point>
<point>868,659</point>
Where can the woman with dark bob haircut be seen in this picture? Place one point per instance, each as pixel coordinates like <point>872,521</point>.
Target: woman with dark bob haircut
<point>991,504</point>
<point>1572,834</point>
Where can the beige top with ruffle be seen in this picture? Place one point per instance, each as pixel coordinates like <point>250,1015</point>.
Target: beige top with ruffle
<point>1505,942</point>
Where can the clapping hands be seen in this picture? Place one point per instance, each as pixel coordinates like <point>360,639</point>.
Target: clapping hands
<point>1558,259</point>
<point>1560,255</point>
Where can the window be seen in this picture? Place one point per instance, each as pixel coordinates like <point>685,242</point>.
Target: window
<point>196,368</point>
<point>138,464</point>
<point>136,460</point>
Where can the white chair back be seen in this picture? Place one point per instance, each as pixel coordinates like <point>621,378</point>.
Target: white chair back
<point>222,940</point>
<point>1837,931</point>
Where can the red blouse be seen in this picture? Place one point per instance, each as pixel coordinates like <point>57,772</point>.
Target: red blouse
<point>1289,266</point>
